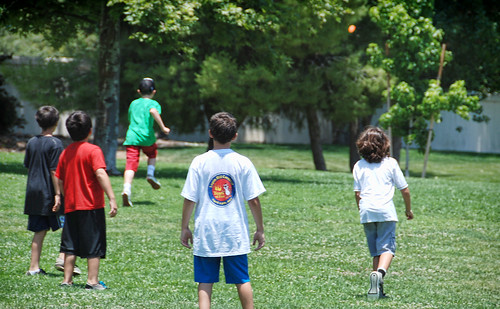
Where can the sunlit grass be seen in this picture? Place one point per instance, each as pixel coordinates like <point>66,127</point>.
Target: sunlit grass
<point>315,255</point>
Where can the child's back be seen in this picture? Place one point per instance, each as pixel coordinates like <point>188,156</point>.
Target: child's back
<point>42,156</point>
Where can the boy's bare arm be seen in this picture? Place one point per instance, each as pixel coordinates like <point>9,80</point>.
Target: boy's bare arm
<point>357,196</point>
<point>103,179</point>
<point>406,197</point>
<point>57,191</point>
<point>158,120</point>
<point>186,235</point>
<point>256,210</point>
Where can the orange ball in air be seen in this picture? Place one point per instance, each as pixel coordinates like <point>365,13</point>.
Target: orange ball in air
<point>351,29</point>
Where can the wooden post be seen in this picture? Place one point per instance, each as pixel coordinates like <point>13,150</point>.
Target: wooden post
<point>431,125</point>
<point>388,103</point>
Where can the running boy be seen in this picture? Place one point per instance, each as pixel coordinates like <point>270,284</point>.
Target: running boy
<point>142,114</point>
<point>43,198</point>
<point>218,183</point>
<point>375,177</point>
<point>81,173</point>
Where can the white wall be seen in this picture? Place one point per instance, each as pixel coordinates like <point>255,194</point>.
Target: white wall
<point>474,137</point>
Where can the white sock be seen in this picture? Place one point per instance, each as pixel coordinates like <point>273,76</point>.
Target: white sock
<point>151,171</point>
<point>383,271</point>
<point>127,188</point>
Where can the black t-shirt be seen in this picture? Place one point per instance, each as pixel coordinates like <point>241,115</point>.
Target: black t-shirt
<point>42,156</point>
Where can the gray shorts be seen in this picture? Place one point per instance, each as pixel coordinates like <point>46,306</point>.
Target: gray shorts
<point>381,237</point>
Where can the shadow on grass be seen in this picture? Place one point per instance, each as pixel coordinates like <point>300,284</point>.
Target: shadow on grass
<point>13,168</point>
<point>429,175</point>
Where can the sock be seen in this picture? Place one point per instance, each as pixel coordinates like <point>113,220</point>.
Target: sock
<point>127,188</point>
<point>382,271</point>
<point>151,171</point>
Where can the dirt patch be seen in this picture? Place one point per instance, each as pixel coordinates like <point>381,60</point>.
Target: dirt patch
<point>17,143</point>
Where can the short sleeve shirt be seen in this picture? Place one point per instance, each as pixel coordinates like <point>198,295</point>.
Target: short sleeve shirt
<point>219,182</point>
<point>376,183</point>
<point>77,166</point>
<point>140,130</point>
<point>42,156</point>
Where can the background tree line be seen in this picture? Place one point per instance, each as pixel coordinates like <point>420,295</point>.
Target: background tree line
<point>256,58</point>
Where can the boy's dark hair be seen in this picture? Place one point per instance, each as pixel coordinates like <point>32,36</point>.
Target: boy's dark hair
<point>78,125</point>
<point>373,145</point>
<point>223,127</point>
<point>146,86</point>
<point>47,117</point>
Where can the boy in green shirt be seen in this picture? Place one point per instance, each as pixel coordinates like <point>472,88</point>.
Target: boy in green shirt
<point>142,114</point>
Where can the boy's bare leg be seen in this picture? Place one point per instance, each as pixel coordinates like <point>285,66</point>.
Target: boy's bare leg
<point>93,265</point>
<point>152,161</point>
<point>246,295</point>
<point>383,261</point>
<point>128,176</point>
<point>205,295</point>
<point>69,265</point>
<point>36,249</point>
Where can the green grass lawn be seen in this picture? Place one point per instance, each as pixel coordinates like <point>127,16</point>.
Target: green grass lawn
<point>315,255</point>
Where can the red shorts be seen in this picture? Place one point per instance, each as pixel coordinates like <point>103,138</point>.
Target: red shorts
<point>134,152</point>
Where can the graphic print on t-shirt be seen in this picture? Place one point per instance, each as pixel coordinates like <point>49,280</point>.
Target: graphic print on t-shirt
<point>221,189</point>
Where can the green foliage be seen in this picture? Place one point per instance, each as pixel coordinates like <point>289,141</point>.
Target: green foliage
<point>472,34</point>
<point>412,54</point>
<point>64,83</point>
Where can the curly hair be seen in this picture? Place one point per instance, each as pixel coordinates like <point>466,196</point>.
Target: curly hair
<point>373,145</point>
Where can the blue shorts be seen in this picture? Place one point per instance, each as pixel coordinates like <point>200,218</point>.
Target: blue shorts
<point>38,223</point>
<point>381,237</point>
<point>206,269</point>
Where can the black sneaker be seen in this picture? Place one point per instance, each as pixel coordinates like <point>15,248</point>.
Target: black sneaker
<point>36,272</point>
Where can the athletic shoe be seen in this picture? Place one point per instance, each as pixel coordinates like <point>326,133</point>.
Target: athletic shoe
<point>375,285</point>
<point>98,286</point>
<point>153,182</point>
<point>66,285</point>
<point>39,271</point>
<point>60,266</point>
<point>126,200</point>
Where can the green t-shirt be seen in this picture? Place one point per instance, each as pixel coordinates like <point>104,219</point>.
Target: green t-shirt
<point>140,130</point>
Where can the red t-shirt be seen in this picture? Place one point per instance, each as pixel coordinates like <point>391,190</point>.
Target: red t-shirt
<point>76,168</point>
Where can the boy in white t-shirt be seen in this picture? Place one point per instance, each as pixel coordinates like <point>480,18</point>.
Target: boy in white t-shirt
<point>218,184</point>
<point>375,177</point>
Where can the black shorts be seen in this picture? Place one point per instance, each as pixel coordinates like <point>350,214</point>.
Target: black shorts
<point>84,234</point>
<point>37,223</point>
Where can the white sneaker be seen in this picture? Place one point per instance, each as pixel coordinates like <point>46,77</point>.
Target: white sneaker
<point>375,285</point>
<point>60,266</point>
<point>153,182</point>
<point>126,200</point>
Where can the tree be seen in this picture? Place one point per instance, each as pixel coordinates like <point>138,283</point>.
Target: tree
<point>8,105</point>
<point>412,53</point>
<point>251,57</point>
<point>471,33</point>
<point>60,20</point>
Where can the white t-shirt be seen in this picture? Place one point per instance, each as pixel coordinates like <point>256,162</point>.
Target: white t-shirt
<point>219,182</point>
<point>376,182</point>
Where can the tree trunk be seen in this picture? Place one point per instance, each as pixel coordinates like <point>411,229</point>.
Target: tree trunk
<point>106,128</point>
<point>396,147</point>
<point>315,139</point>
<point>353,150</point>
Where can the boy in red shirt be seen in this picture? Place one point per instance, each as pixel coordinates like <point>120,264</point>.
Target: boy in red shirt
<point>83,179</point>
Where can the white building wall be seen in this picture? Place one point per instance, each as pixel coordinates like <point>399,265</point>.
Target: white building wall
<point>474,137</point>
